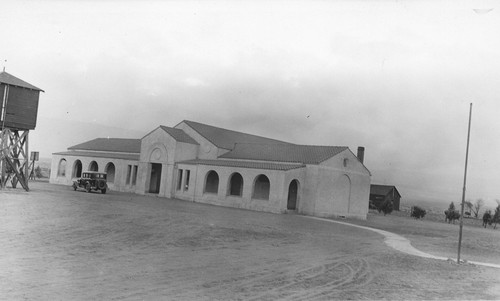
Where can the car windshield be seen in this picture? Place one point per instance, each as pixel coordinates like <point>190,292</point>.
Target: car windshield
<point>94,175</point>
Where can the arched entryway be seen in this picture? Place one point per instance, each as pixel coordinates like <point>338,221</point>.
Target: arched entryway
<point>93,166</point>
<point>293,195</point>
<point>77,169</point>
<point>61,168</point>
<point>110,171</point>
<point>261,188</point>
<point>212,182</point>
<point>236,185</point>
<point>343,195</point>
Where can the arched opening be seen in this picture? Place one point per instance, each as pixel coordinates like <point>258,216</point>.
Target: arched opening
<point>212,182</point>
<point>343,195</point>
<point>236,185</point>
<point>77,169</point>
<point>293,195</point>
<point>93,166</point>
<point>110,171</point>
<point>261,188</point>
<point>61,169</point>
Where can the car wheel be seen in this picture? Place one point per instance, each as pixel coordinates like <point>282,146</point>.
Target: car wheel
<point>101,184</point>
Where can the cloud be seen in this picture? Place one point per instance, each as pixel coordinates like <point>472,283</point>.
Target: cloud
<point>195,82</point>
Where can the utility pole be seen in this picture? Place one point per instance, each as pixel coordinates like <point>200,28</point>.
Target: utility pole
<point>463,192</point>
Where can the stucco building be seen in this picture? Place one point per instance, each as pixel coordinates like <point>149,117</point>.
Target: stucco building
<point>201,163</point>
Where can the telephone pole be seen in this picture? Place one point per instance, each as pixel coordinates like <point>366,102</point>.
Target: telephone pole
<point>463,192</point>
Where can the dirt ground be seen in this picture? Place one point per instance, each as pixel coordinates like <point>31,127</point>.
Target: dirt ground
<point>58,244</point>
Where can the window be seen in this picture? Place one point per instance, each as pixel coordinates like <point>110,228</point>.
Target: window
<point>186,186</point>
<point>134,175</point>
<point>236,185</point>
<point>212,182</point>
<point>179,179</point>
<point>261,188</point>
<point>129,173</point>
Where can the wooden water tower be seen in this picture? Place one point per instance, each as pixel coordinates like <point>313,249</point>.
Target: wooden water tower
<point>18,114</point>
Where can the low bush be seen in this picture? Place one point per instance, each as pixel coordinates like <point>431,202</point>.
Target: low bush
<point>417,212</point>
<point>386,207</point>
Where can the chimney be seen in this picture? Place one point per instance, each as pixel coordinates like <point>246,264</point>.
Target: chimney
<point>361,153</point>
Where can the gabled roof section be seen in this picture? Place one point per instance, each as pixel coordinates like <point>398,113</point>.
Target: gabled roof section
<point>179,135</point>
<point>227,139</point>
<point>6,78</point>
<point>244,164</point>
<point>305,154</point>
<point>110,145</point>
<point>383,189</point>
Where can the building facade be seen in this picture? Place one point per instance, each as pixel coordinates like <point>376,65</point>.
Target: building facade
<point>202,163</point>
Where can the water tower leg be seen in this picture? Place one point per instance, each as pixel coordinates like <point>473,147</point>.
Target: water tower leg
<point>15,157</point>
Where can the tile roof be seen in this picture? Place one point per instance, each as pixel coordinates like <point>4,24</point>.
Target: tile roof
<point>382,189</point>
<point>244,164</point>
<point>306,154</point>
<point>9,79</point>
<point>179,135</point>
<point>110,145</point>
<point>226,139</point>
<point>125,156</point>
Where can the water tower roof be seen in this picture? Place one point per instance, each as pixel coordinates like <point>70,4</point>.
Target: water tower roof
<point>9,79</point>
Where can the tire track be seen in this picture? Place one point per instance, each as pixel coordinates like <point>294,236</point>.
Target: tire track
<point>317,282</point>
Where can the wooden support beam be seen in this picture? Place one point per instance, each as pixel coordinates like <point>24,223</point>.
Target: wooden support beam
<point>14,155</point>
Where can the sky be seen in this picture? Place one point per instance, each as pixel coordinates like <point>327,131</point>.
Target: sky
<point>396,77</point>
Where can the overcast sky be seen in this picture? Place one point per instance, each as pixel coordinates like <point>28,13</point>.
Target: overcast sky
<point>394,76</point>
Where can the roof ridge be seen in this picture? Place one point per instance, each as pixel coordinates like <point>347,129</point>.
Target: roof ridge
<point>189,122</point>
<point>293,144</point>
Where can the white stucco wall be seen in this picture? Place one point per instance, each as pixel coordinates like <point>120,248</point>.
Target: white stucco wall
<point>159,147</point>
<point>334,189</point>
<point>121,166</point>
<point>279,181</point>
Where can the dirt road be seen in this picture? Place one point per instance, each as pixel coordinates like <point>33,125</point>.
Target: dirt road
<point>57,244</point>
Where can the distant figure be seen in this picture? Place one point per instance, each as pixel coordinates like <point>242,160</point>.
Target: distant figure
<point>451,216</point>
<point>487,218</point>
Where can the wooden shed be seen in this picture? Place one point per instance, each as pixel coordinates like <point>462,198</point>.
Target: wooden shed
<point>381,193</point>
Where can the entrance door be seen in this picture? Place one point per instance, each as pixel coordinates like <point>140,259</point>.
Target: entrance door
<point>293,190</point>
<point>154,183</point>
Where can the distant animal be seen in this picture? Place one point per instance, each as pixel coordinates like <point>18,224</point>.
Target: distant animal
<point>451,216</point>
<point>487,218</point>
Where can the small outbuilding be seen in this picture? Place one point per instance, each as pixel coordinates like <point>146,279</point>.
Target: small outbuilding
<point>202,163</point>
<point>382,193</point>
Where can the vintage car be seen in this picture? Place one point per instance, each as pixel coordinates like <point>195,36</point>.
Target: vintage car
<point>91,180</point>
